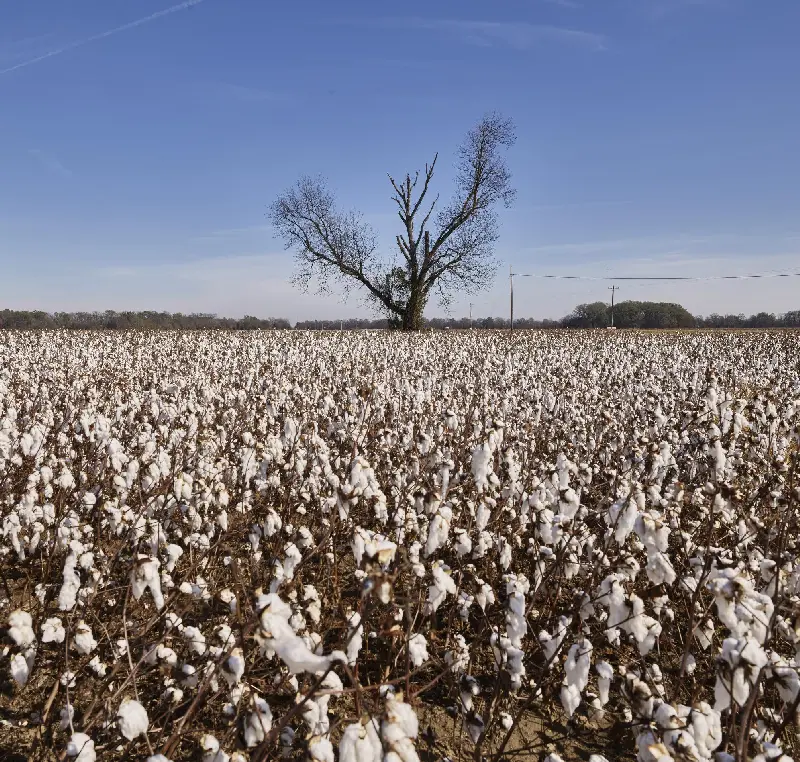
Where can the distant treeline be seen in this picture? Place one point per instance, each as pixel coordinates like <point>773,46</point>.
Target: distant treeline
<point>631,314</point>
<point>110,320</point>
<point>628,314</point>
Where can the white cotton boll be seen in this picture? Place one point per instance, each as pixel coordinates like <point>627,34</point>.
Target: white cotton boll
<point>553,758</point>
<point>195,639</point>
<point>577,665</point>
<point>485,595</point>
<point>157,758</point>
<point>605,674</point>
<point>355,637</point>
<point>81,747</point>
<point>145,575</point>
<point>53,631</point>
<point>19,628</point>
<point>597,758</point>
<point>211,751</point>
<point>360,743</point>
<point>481,465</point>
<point>97,666</point>
<point>418,649</point>
<point>463,543</point>
<point>132,719</point>
<point>66,481</point>
<point>234,667</point>
<point>257,723</point>
<point>227,596</point>
<point>67,596</point>
<point>84,639</point>
<point>321,749</point>
<point>570,698</point>
<point>19,668</point>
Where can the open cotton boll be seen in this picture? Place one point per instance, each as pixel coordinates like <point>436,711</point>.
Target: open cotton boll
<point>20,669</point>
<point>157,758</point>
<point>20,629</point>
<point>53,631</point>
<point>84,639</point>
<point>67,596</point>
<point>320,749</point>
<point>360,742</point>
<point>211,750</point>
<point>132,719</point>
<point>257,723</point>
<point>145,575</point>
<point>81,748</point>
<point>418,649</point>
<point>605,674</point>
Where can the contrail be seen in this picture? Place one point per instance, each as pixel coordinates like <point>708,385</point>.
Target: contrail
<point>103,35</point>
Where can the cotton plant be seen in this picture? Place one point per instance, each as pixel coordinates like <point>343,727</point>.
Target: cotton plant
<point>455,503</point>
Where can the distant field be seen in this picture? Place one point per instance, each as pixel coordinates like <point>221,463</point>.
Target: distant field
<point>380,546</point>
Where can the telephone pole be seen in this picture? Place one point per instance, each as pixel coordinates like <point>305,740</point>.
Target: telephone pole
<point>470,315</point>
<point>511,283</point>
<point>612,289</point>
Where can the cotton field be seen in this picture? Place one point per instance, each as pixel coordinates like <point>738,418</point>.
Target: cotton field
<point>375,547</point>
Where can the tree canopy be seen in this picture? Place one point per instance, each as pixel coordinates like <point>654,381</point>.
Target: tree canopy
<point>440,249</point>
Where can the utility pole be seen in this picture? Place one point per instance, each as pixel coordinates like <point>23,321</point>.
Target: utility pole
<point>470,315</point>
<point>511,283</point>
<point>612,289</point>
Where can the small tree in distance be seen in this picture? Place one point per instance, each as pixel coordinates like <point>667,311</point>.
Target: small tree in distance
<point>443,249</point>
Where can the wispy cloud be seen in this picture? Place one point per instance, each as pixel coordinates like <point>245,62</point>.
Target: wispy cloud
<point>50,163</point>
<point>519,35</point>
<point>102,35</point>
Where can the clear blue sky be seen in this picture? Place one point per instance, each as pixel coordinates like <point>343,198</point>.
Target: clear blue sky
<point>139,148</point>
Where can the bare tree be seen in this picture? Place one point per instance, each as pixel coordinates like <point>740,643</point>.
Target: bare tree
<point>439,249</point>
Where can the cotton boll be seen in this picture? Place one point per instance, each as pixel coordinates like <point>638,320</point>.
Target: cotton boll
<point>132,719</point>
<point>20,669</point>
<point>195,640</point>
<point>570,698</point>
<point>321,749</point>
<point>360,743</point>
<point>211,750</point>
<point>19,628</point>
<point>53,631</point>
<point>257,723</point>
<point>145,576</point>
<point>418,649</point>
<point>67,596</point>
<point>81,747</point>
<point>605,674</point>
<point>83,639</point>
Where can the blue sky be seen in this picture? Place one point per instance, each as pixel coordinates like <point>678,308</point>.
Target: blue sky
<point>141,142</point>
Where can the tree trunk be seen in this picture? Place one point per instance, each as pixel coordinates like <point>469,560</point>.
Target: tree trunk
<point>412,317</point>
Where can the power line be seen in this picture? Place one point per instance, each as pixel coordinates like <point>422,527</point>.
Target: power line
<point>658,277</point>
